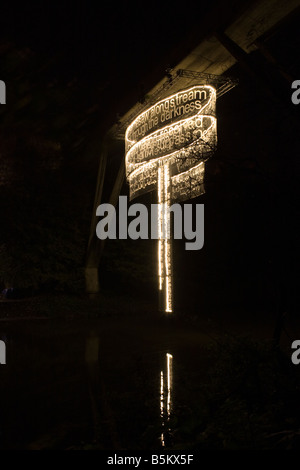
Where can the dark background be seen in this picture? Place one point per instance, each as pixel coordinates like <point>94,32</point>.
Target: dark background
<point>70,70</point>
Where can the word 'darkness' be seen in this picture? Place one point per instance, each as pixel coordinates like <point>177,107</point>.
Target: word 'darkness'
<point>166,149</point>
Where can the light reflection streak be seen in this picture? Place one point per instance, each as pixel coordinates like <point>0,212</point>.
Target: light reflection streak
<point>165,416</point>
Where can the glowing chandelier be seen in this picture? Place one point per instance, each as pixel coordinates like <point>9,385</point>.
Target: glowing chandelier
<point>166,148</point>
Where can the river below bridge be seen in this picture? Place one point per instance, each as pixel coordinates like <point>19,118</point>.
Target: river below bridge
<point>113,382</point>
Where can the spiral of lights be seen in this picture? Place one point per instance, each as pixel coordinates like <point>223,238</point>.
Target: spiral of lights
<point>166,148</point>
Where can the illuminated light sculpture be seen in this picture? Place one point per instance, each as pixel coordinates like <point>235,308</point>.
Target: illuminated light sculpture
<point>166,148</point>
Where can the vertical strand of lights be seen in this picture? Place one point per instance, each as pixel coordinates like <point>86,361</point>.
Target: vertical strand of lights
<point>160,228</point>
<point>164,238</point>
<point>167,240</point>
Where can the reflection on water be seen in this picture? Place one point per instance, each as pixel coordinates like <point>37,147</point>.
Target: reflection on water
<point>69,385</point>
<point>166,385</point>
